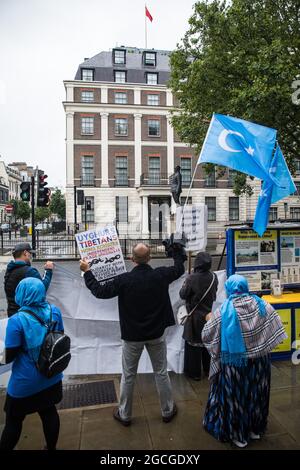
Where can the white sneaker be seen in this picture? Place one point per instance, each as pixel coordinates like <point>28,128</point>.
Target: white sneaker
<point>240,444</point>
<point>254,437</point>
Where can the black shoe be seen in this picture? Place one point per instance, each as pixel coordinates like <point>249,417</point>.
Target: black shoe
<point>167,419</point>
<point>117,416</point>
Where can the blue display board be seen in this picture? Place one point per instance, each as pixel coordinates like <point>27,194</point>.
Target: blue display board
<point>261,259</point>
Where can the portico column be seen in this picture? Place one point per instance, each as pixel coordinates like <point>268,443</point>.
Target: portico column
<point>170,151</point>
<point>145,217</point>
<point>137,149</point>
<point>70,148</point>
<point>104,149</point>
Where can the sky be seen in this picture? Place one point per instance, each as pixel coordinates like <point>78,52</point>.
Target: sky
<point>42,42</point>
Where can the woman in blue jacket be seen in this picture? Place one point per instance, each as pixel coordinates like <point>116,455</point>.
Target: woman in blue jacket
<point>28,390</point>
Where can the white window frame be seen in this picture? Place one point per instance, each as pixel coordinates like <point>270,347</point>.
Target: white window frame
<point>150,97</point>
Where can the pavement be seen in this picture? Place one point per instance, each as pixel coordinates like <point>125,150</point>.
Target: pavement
<point>95,429</point>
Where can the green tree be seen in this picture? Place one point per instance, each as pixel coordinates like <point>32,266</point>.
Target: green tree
<point>42,213</point>
<point>239,58</point>
<point>23,210</point>
<point>58,204</point>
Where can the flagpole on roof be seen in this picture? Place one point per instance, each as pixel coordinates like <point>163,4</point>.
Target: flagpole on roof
<point>145,27</point>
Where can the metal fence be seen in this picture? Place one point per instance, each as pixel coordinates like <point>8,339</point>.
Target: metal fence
<point>62,246</point>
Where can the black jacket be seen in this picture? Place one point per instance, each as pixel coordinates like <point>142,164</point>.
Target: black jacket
<point>143,296</point>
<point>15,272</point>
<point>192,290</point>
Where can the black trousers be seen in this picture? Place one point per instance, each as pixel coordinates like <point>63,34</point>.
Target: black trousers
<point>13,428</point>
<point>195,358</point>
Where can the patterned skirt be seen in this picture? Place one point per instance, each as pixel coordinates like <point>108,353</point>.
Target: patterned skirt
<point>238,401</point>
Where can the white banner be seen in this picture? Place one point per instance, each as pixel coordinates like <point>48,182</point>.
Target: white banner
<point>93,325</point>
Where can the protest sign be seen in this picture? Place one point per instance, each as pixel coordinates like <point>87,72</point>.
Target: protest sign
<point>101,248</point>
<point>192,220</point>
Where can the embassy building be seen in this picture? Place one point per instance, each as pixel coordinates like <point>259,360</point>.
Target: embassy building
<point>121,149</point>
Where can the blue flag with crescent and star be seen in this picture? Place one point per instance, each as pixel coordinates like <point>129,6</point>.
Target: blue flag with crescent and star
<point>249,148</point>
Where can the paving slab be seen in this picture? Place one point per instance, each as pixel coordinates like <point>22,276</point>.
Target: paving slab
<point>184,432</point>
<point>285,407</point>
<point>101,431</point>
<point>182,389</point>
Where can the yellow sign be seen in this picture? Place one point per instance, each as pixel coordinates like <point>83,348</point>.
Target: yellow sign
<point>251,235</point>
<point>286,345</point>
<point>297,327</point>
<point>289,233</point>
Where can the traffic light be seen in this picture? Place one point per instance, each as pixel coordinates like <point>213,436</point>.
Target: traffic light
<point>43,194</point>
<point>25,191</point>
<point>88,204</point>
<point>80,197</point>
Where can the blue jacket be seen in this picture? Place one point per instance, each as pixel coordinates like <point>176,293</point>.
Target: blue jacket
<point>15,272</point>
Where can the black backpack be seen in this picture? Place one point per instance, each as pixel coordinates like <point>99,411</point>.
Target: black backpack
<point>55,353</point>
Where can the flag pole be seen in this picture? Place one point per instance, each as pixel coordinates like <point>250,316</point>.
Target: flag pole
<point>145,28</point>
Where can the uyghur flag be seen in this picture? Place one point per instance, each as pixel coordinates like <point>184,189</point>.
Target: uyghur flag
<point>279,185</point>
<point>240,145</point>
<point>148,14</point>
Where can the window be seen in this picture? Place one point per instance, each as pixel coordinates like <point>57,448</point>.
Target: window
<point>87,75</point>
<point>122,209</point>
<point>153,100</point>
<point>297,165</point>
<point>273,214</point>
<point>121,126</point>
<point>210,180</point>
<point>297,192</point>
<point>154,170</point>
<point>121,171</point>
<point>87,96</point>
<point>87,170</point>
<point>231,176</point>
<point>154,127</point>
<point>90,213</point>
<point>183,200</point>
<point>87,125</point>
<point>120,76</point>
<point>150,59</point>
<point>152,78</point>
<point>295,213</point>
<point>120,97</point>
<point>234,213</point>
<point>210,202</point>
<point>119,56</point>
<point>186,170</point>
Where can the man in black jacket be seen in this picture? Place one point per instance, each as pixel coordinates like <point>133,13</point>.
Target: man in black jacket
<point>145,312</point>
<point>20,268</point>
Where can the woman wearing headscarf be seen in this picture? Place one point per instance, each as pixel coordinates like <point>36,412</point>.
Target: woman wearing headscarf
<point>28,390</point>
<point>240,338</point>
<point>201,281</point>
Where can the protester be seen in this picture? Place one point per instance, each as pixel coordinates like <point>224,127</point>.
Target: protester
<point>28,390</point>
<point>145,312</point>
<point>196,285</point>
<point>19,269</point>
<point>239,339</point>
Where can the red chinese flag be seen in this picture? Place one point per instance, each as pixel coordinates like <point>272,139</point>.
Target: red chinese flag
<point>148,14</point>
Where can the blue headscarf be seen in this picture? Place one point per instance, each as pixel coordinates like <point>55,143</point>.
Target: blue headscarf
<point>233,350</point>
<point>31,294</point>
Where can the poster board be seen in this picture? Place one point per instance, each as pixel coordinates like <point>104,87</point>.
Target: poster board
<point>193,222</point>
<point>261,259</point>
<point>101,248</point>
<point>286,318</point>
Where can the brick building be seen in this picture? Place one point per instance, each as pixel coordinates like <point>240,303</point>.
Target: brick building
<point>121,148</point>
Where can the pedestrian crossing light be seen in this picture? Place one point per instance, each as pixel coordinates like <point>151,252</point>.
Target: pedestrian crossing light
<point>43,193</point>
<point>25,191</point>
